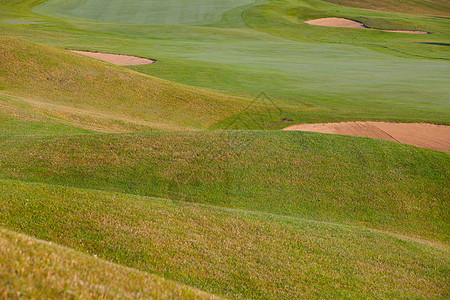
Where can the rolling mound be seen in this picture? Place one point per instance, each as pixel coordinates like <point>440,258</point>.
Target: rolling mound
<point>117,164</point>
<point>430,136</point>
<point>97,96</point>
<point>217,249</point>
<point>428,7</point>
<point>32,268</point>
<point>322,177</point>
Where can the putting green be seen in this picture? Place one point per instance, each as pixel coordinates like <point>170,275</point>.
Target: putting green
<point>173,12</point>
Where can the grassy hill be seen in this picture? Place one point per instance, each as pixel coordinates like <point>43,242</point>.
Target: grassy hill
<point>359,181</point>
<point>233,253</point>
<point>31,268</point>
<point>85,91</point>
<point>426,7</point>
<point>122,162</point>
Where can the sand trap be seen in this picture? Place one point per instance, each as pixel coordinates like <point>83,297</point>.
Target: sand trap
<point>407,31</point>
<point>430,136</point>
<point>117,59</point>
<point>341,22</point>
<point>336,22</point>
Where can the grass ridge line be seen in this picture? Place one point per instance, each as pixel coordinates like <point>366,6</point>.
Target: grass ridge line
<point>217,251</point>
<point>245,212</point>
<point>38,256</point>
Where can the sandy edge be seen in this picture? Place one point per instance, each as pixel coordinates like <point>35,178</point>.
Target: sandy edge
<point>117,59</point>
<point>424,135</point>
<point>341,22</point>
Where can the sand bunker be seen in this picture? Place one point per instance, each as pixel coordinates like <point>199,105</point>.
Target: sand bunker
<point>341,22</point>
<point>430,136</point>
<point>117,59</point>
<point>336,22</point>
<point>408,31</point>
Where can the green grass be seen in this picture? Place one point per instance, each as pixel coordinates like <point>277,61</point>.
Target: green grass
<point>86,92</point>
<point>427,7</point>
<point>31,268</point>
<point>359,181</point>
<point>172,12</point>
<point>18,117</point>
<point>230,253</point>
<point>343,74</point>
<point>85,146</point>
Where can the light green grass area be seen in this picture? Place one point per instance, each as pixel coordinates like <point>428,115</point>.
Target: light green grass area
<point>31,268</point>
<point>171,12</point>
<point>231,253</point>
<point>343,74</point>
<point>86,146</point>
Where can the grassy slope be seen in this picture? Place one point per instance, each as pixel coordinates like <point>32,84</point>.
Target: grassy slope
<point>371,184</point>
<point>18,118</point>
<point>361,181</point>
<point>233,253</point>
<point>295,71</point>
<point>82,90</point>
<point>31,268</point>
<point>426,7</point>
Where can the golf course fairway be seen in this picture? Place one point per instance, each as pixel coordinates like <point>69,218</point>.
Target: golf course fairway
<point>142,153</point>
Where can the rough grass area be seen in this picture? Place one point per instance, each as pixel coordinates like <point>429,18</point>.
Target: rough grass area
<point>231,253</point>
<point>426,7</point>
<point>362,181</point>
<point>31,268</point>
<point>19,118</point>
<point>94,95</point>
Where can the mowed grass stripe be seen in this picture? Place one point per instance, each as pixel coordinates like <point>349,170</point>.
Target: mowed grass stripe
<point>360,181</point>
<point>170,12</point>
<point>229,253</point>
<point>32,268</point>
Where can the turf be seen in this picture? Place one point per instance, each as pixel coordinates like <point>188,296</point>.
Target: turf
<point>17,118</point>
<point>288,60</point>
<point>231,253</point>
<point>172,12</point>
<point>86,146</point>
<point>31,268</point>
<point>426,7</point>
<point>97,96</point>
<point>359,181</point>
